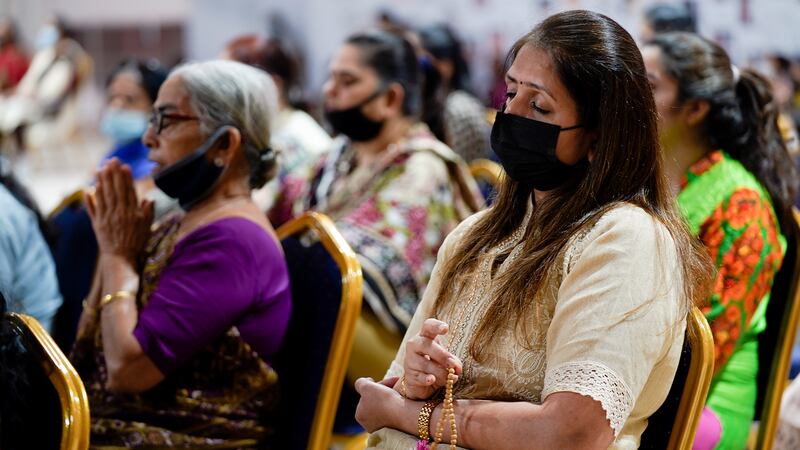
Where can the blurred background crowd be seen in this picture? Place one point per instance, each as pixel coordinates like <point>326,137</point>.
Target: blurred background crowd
<point>757,33</point>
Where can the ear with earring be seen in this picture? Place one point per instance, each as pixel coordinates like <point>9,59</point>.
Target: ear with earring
<point>219,162</point>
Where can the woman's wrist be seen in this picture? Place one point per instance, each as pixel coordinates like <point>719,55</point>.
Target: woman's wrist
<point>115,259</point>
<point>400,413</point>
<point>406,418</point>
<point>117,275</point>
<point>115,264</point>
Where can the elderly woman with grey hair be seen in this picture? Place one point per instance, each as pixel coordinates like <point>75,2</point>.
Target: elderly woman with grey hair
<point>177,333</point>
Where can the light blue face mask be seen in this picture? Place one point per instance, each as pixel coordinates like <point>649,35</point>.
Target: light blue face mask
<point>122,125</point>
<point>47,37</point>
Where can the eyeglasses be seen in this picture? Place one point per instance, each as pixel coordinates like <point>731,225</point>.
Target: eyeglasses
<point>157,120</point>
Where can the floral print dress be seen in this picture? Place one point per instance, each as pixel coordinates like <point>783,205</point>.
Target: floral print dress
<point>732,214</point>
<point>395,213</point>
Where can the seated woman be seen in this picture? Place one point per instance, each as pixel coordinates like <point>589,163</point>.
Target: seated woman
<point>131,89</point>
<point>464,120</point>
<point>44,107</point>
<point>180,326</point>
<point>736,182</point>
<point>14,59</point>
<point>27,271</point>
<point>300,139</point>
<point>560,312</point>
<point>393,190</point>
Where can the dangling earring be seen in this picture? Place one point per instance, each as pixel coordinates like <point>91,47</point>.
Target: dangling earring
<point>219,162</point>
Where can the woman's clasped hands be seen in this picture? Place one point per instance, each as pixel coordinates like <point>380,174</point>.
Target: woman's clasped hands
<point>120,221</point>
<point>425,365</point>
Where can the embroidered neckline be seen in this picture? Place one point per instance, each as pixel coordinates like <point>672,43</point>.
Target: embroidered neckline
<point>483,283</point>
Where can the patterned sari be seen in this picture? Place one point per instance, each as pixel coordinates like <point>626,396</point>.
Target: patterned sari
<point>732,214</point>
<point>222,398</point>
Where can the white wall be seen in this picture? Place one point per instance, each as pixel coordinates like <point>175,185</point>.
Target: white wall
<point>774,26</point>
<point>319,26</point>
<point>30,14</point>
<point>212,23</point>
<point>122,12</point>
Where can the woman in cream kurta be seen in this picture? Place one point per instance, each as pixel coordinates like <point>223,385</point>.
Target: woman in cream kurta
<point>610,326</point>
<point>573,317</point>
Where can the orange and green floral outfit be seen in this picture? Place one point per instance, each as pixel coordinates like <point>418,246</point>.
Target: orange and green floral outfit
<point>732,214</point>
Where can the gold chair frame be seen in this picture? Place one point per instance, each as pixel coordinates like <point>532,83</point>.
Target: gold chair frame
<point>486,169</point>
<point>491,114</point>
<point>698,381</point>
<point>779,372</point>
<point>68,385</point>
<point>349,310</point>
<point>75,197</point>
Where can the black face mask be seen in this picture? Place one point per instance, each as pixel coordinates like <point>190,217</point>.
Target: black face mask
<point>192,179</point>
<point>527,151</point>
<point>352,122</point>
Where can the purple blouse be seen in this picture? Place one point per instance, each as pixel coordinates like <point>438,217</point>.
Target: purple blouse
<point>227,273</point>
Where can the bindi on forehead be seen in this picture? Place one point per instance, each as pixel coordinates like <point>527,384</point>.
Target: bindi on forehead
<point>532,84</point>
<point>533,67</point>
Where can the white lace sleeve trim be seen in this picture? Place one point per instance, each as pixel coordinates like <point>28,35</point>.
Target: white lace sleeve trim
<point>597,381</point>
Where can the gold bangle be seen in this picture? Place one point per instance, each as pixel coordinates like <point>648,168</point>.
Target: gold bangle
<point>112,297</point>
<point>403,390</point>
<point>424,421</point>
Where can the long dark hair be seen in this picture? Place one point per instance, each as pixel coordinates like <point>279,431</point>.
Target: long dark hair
<point>743,116</point>
<point>602,68</point>
<point>441,41</point>
<point>150,72</point>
